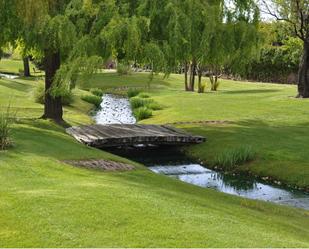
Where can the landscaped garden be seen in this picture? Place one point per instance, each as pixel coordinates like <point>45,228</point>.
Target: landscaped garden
<point>137,124</point>
<point>46,202</point>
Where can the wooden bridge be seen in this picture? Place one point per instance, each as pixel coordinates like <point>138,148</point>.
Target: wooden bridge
<point>115,135</point>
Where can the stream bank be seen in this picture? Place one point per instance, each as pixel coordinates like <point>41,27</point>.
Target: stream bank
<point>171,162</point>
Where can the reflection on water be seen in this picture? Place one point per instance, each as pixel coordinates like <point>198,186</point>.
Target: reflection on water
<point>235,185</point>
<point>115,110</point>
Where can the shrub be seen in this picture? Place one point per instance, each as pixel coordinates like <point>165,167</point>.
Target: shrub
<point>133,92</point>
<point>137,102</point>
<point>123,69</point>
<point>92,99</point>
<point>230,158</point>
<point>154,106</point>
<point>142,113</point>
<point>144,95</point>
<point>203,87</point>
<point>97,92</point>
<point>215,85</point>
<point>39,96</point>
<point>6,121</point>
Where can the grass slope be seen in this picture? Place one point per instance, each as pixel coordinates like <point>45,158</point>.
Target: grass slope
<point>45,203</point>
<point>264,116</point>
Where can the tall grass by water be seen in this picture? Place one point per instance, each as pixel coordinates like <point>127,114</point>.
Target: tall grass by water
<point>228,159</point>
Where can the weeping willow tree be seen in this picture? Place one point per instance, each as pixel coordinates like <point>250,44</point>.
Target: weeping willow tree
<point>67,34</point>
<point>231,39</point>
<point>207,35</point>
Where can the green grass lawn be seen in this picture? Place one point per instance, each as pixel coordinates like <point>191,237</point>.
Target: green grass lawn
<point>46,203</point>
<point>13,66</point>
<point>263,116</point>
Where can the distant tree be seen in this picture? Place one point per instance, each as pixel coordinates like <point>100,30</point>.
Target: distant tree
<point>296,14</point>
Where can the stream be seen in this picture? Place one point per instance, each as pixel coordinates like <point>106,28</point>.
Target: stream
<point>171,162</point>
<point>8,76</point>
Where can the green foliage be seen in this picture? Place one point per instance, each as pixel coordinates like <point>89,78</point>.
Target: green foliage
<point>123,69</point>
<point>143,95</point>
<point>229,159</point>
<point>143,107</point>
<point>92,99</point>
<point>6,121</point>
<point>132,92</point>
<point>203,87</point>
<point>137,102</point>
<point>142,113</point>
<point>214,84</point>
<point>97,92</point>
<point>39,96</point>
<point>277,62</point>
<point>154,106</point>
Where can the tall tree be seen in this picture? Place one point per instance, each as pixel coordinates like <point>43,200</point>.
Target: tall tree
<point>66,33</point>
<point>296,14</point>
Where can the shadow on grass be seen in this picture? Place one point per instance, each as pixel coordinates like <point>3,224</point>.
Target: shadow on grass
<point>15,85</point>
<point>253,91</point>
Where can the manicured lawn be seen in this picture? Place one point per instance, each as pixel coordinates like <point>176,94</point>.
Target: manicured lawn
<point>46,203</point>
<point>13,66</point>
<point>264,116</point>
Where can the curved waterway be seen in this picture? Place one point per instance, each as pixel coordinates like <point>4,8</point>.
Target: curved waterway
<point>172,163</point>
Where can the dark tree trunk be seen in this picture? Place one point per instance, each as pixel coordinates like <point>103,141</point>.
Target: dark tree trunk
<point>192,75</point>
<point>303,74</point>
<point>186,77</point>
<point>26,66</point>
<point>53,106</point>
<point>200,74</point>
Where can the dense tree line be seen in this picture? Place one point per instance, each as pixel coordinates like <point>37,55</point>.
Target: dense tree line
<point>74,37</point>
<point>295,14</point>
<point>279,55</point>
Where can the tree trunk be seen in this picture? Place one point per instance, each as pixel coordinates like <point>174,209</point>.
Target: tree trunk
<point>200,74</point>
<point>53,105</point>
<point>26,66</point>
<point>303,74</point>
<point>186,77</point>
<point>192,75</point>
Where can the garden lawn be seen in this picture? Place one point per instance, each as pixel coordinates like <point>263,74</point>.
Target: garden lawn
<point>46,203</point>
<point>13,66</point>
<point>263,116</point>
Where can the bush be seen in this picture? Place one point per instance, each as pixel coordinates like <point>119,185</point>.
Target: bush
<point>144,95</point>
<point>6,121</point>
<point>142,113</point>
<point>215,85</point>
<point>154,106</point>
<point>137,102</point>
<point>92,99</point>
<point>203,87</point>
<point>97,92</point>
<point>230,158</point>
<point>123,69</point>
<point>133,92</point>
<point>39,96</point>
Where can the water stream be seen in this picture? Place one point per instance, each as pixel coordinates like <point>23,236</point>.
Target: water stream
<point>8,76</point>
<point>170,162</point>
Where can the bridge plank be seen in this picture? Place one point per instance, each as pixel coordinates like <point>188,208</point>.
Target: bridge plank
<point>127,134</point>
